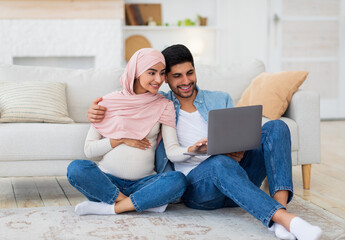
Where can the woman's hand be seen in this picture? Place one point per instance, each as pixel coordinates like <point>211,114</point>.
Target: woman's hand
<point>141,144</point>
<point>199,146</point>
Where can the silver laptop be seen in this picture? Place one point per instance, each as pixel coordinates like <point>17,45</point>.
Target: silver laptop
<point>233,130</point>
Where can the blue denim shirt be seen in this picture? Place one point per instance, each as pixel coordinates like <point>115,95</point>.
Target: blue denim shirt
<point>204,102</point>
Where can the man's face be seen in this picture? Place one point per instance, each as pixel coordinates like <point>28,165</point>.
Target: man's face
<point>182,79</point>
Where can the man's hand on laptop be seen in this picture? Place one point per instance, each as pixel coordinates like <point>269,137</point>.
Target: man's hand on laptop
<point>96,112</point>
<point>237,156</point>
<point>199,147</point>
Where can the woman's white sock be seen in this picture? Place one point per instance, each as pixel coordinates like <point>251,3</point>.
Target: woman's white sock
<point>157,209</point>
<point>304,230</point>
<point>98,208</point>
<point>282,233</point>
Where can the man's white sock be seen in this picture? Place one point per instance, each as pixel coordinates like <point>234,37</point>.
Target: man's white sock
<point>272,228</point>
<point>157,209</point>
<point>98,208</point>
<point>304,230</point>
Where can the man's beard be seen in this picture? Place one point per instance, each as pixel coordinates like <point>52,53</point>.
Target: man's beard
<point>176,91</point>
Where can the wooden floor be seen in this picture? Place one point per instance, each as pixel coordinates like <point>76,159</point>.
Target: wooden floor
<point>22,192</point>
<point>327,188</point>
<point>327,183</point>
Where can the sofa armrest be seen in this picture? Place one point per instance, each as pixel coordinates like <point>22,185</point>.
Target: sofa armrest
<point>304,109</point>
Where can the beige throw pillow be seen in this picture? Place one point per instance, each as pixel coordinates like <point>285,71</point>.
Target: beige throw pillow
<point>273,91</point>
<point>33,102</point>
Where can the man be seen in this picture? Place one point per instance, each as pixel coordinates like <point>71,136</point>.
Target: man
<point>233,179</point>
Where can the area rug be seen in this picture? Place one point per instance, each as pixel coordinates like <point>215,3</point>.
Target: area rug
<point>178,222</point>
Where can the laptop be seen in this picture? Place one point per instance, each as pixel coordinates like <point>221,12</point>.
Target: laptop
<point>233,130</point>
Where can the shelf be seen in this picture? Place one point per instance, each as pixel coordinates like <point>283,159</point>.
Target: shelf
<point>167,28</point>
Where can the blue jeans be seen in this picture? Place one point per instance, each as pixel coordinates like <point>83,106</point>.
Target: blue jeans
<point>220,181</point>
<point>148,192</point>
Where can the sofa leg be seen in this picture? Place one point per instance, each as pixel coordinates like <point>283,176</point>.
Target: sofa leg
<point>306,171</point>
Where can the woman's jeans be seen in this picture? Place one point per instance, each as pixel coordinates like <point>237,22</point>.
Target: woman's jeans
<point>221,182</point>
<point>148,192</point>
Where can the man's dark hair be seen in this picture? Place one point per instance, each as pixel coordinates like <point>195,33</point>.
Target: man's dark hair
<point>176,54</point>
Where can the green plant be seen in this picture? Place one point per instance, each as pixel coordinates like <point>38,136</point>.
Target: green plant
<point>188,22</point>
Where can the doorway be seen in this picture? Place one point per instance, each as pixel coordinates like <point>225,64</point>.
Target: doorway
<point>310,35</point>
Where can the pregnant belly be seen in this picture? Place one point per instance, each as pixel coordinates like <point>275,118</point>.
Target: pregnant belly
<point>128,163</point>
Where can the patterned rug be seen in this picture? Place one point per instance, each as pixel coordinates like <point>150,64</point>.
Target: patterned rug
<point>178,222</point>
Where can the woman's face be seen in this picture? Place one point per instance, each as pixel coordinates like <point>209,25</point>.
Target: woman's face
<point>150,80</point>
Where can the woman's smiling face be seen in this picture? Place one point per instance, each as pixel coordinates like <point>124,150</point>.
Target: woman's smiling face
<point>150,80</point>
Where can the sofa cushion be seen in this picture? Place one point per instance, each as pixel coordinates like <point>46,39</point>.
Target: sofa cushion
<point>83,86</point>
<point>33,102</point>
<point>234,78</point>
<point>273,91</point>
<point>42,141</point>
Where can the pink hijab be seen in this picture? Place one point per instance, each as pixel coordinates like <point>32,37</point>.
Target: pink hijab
<point>131,115</point>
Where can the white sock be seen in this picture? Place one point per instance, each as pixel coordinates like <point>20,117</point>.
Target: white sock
<point>98,208</point>
<point>304,230</point>
<point>157,209</point>
<point>272,228</point>
<point>281,232</point>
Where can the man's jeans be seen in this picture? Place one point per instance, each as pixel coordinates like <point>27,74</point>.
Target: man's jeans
<point>148,192</point>
<point>221,182</point>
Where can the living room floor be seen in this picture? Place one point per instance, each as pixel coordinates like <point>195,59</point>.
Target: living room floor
<point>327,180</point>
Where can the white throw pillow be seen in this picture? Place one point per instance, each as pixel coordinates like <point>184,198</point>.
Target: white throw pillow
<point>82,85</point>
<point>33,101</point>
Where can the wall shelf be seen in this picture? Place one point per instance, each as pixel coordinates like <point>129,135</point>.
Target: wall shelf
<point>201,40</point>
<point>168,28</point>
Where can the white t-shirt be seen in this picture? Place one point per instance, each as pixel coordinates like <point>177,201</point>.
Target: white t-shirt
<point>191,127</point>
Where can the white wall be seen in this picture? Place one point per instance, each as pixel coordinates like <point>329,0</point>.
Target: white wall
<point>101,39</point>
<point>245,34</point>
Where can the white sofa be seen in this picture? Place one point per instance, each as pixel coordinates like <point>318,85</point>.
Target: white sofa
<point>43,149</point>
